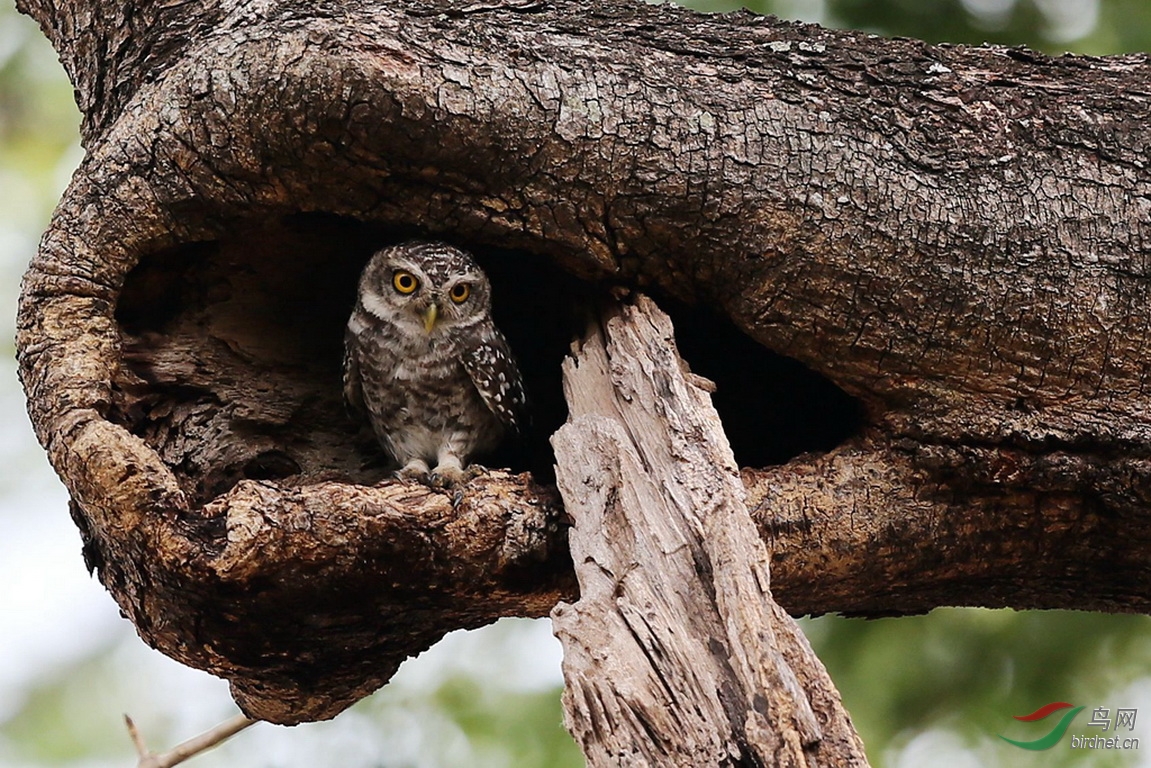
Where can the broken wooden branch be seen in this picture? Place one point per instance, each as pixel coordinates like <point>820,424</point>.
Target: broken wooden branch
<point>675,653</point>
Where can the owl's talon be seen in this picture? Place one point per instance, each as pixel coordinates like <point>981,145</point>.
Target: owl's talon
<point>451,476</point>
<point>447,477</point>
<point>414,470</point>
<point>473,471</point>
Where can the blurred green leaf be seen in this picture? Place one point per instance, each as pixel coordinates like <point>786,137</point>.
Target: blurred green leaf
<point>969,671</point>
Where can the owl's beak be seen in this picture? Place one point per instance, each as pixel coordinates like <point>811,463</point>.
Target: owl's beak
<point>430,316</point>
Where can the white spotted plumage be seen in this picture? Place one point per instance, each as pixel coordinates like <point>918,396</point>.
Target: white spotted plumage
<point>434,376</point>
<point>494,372</point>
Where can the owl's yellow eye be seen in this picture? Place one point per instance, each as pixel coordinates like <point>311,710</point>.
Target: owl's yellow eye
<point>405,282</point>
<point>460,292</point>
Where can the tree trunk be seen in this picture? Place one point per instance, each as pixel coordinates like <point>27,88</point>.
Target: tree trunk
<point>676,653</point>
<point>957,238</point>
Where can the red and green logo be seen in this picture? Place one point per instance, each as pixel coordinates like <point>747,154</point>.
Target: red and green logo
<point>1056,733</point>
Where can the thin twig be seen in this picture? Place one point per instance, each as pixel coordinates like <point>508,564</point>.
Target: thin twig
<point>189,748</point>
<point>137,739</point>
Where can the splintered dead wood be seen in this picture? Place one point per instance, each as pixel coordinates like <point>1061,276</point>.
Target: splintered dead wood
<point>675,653</point>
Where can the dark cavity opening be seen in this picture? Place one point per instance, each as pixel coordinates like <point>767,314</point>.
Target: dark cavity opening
<point>773,408</point>
<point>233,353</point>
<point>233,360</point>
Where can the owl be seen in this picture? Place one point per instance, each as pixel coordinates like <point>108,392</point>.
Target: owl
<point>425,363</point>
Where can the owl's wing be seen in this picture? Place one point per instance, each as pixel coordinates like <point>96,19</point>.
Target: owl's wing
<point>497,377</point>
<point>353,392</point>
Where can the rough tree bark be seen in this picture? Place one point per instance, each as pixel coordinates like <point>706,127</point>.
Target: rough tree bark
<point>957,237</point>
<point>676,653</point>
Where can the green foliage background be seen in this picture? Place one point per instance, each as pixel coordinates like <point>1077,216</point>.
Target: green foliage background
<point>931,690</point>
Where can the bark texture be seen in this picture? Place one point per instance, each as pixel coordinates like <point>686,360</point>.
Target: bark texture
<point>676,653</point>
<point>956,237</point>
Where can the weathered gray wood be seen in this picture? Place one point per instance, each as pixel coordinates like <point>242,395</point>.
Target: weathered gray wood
<point>675,653</point>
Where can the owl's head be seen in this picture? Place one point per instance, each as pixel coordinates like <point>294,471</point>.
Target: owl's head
<point>429,287</point>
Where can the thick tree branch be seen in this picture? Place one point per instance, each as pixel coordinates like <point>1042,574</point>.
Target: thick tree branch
<point>110,49</point>
<point>956,236</point>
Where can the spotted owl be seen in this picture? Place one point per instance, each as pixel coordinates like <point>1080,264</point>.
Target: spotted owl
<point>426,365</point>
